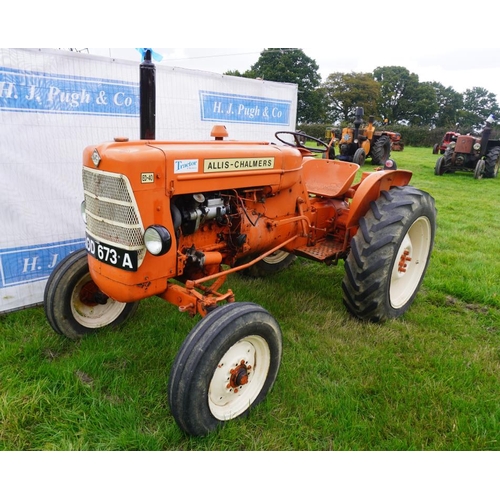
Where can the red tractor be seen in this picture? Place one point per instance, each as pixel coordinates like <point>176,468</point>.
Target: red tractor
<point>445,141</point>
<point>173,219</point>
<point>467,153</point>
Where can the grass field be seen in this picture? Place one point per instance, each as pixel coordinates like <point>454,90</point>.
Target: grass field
<point>427,381</point>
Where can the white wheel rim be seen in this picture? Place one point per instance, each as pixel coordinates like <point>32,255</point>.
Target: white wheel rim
<point>410,263</point>
<point>276,257</point>
<point>90,314</point>
<point>251,357</point>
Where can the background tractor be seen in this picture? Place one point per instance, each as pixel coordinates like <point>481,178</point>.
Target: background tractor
<point>466,153</point>
<point>356,143</point>
<point>448,137</point>
<point>173,219</point>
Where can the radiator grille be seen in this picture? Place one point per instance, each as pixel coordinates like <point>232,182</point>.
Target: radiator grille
<point>112,214</point>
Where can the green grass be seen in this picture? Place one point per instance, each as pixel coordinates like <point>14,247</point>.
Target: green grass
<point>427,381</point>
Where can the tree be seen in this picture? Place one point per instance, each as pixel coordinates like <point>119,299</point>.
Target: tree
<point>398,92</point>
<point>292,66</point>
<point>478,105</point>
<point>449,103</point>
<point>344,92</point>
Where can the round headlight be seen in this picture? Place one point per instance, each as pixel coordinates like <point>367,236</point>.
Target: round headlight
<point>157,240</point>
<point>82,211</point>
<point>477,146</point>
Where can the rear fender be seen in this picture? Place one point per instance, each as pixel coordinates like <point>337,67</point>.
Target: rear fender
<point>369,190</point>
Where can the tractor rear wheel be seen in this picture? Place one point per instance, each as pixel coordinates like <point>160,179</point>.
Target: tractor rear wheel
<point>389,254</point>
<point>492,162</point>
<point>225,367</point>
<point>381,150</point>
<point>74,305</point>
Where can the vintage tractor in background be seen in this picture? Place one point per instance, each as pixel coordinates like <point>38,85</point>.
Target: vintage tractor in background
<point>448,137</point>
<point>173,219</point>
<point>467,153</point>
<point>356,144</point>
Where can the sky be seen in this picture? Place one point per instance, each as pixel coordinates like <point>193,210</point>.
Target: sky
<point>459,68</point>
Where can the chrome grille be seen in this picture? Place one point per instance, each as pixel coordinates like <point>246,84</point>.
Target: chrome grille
<point>112,214</point>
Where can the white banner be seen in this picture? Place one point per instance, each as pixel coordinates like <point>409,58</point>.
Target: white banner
<point>55,103</point>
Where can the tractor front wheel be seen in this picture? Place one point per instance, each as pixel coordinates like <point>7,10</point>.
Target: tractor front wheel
<point>74,305</point>
<point>381,150</point>
<point>225,367</point>
<point>492,163</point>
<point>479,170</point>
<point>359,157</point>
<point>389,254</point>
<point>439,167</point>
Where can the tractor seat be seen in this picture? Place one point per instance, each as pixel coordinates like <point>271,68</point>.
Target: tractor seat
<point>329,178</point>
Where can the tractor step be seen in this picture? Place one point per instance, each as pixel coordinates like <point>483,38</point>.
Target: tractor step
<point>324,250</point>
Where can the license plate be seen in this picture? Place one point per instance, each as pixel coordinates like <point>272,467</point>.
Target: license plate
<point>114,256</point>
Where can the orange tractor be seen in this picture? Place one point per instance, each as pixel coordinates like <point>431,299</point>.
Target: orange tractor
<point>174,219</point>
<point>358,143</point>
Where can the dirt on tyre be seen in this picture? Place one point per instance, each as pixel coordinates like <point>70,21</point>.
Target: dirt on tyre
<point>389,254</point>
<point>74,305</point>
<point>381,150</point>
<point>225,367</point>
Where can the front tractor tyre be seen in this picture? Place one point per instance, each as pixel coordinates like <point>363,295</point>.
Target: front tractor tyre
<point>389,254</point>
<point>226,366</point>
<point>74,305</point>
<point>359,157</point>
<point>439,167</point>
<point>381,150</point>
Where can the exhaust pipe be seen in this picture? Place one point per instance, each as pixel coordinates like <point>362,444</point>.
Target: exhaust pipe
<point>147,90</point>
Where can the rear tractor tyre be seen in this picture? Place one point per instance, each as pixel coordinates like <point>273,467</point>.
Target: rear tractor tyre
<point>381,150</point>
<point>272,264</point>
<point>359,157</point>
<point>492,163</point>
<point>389,254</point>
<point>74,305</point>
<point>225,367</point>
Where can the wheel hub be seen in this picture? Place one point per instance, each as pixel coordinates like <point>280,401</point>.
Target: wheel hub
<point>239,376</point>
<point>405,257</point>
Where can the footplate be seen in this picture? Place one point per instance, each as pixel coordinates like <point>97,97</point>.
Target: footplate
<point>322,251</point>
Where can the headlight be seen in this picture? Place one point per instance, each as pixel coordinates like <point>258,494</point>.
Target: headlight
<point>477,146</point>
<point>157,240</point>
<point>82,211</point>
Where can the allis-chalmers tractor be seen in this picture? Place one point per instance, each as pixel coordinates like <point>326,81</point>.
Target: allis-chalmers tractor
<point>174,219</point>
<point>467,153</point>
<point>356,144</point>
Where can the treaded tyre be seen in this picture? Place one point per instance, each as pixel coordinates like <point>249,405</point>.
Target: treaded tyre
<point>479,170</point>
<point>359,157</point>
<point>435,149</point>
<point>381,150</point>
<point>74,305</point>
<point>225,367</point>
<point>274,263</point>
<point>438,168</point>
<point>492,163</point>
<point>389,254</point>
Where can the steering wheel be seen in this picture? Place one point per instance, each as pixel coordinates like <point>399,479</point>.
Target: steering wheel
<point>299,139</point>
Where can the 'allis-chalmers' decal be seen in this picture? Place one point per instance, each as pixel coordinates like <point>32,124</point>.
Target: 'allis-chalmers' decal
<point>233,164</point>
